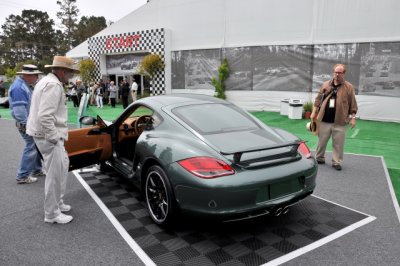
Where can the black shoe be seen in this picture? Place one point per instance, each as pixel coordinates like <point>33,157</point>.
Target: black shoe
<point>337,167</point>
<point>320,162</point>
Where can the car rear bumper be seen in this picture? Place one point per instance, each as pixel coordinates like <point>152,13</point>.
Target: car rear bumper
<point>232,200</point>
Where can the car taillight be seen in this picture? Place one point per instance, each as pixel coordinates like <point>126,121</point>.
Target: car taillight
<point>206,167</point>
<point>303,149</point>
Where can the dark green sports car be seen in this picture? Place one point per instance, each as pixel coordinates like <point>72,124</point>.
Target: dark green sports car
<point>199,155</point>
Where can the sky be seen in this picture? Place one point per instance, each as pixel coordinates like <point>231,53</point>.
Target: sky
<point>110,9</point>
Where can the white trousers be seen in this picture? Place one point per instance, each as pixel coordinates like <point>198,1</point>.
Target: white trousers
<point>99,101</point>
<point>56,162</point>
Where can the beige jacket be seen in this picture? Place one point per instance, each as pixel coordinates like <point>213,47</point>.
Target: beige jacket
<point>346,103</point>
<point>48,114</point>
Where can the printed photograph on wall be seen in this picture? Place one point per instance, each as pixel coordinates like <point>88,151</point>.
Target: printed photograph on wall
<point>326,56</point>
<point>239,61</point>
<point>123,63</point>
<point>200,67</point>
<point>282,68</point>
<point>380,69</point>
<point>177,70</point>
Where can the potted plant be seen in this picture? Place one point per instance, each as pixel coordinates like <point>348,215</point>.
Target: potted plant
<point>151,64</point>
<point>308,107</point>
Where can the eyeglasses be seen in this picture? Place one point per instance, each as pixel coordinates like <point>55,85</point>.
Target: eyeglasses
<point>339,73</point>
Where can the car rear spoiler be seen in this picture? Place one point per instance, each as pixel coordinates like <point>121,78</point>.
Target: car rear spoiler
<point>237,155</point>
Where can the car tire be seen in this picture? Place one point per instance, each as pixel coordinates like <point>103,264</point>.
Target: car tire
<point>159,197</point>
<point>104,167</point>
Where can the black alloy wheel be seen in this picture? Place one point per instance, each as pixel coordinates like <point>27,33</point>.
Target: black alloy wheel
<point>159,197</point>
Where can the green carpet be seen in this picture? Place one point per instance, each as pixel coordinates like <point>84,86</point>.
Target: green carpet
<point>369,137</point>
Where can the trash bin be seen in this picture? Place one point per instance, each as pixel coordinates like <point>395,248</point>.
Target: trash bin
<point>284,107</point>
<point>295,109</point>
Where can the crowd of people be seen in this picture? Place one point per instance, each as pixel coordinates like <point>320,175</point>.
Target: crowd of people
<point>101,93</point>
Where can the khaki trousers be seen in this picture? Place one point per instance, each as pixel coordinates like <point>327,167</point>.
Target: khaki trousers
<point>56,163</point>
<point>338,133</point>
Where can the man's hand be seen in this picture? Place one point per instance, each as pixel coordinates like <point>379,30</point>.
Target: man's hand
<point>21,127</point>
<point>353,122</point>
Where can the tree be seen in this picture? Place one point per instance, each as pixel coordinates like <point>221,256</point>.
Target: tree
<point>151,64</point>
<point>87,67</point>
<point>27,37</point>
<point>223,74</point>
<point>87,27</point>
<point>10,74</point>
<point>68,16</point>
<point>61,43</point>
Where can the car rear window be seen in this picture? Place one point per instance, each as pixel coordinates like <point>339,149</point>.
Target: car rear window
<point>215,118</point>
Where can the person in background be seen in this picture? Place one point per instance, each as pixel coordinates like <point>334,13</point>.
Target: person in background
<point>47,124</point>
<point>134,88</point>
<point>112,90</point>
<point>73,94</point>
<point>125,93</point>
<point>20,95</point>
<point>80,89</point>
<point>99,95</point>
<point>2,89</point>
<point>105,91</point>
<point>92,93</point>
<point>335,106</point>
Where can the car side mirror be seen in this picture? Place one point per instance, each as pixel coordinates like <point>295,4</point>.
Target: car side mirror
<point>88,120</point>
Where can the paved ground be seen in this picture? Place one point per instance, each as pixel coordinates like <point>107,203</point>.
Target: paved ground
<point>92,239</point>
<point>26,240</point>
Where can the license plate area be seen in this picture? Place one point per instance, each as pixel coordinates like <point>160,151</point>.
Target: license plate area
<point>285,187</point>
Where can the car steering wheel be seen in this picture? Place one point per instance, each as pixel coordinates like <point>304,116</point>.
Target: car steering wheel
<point>140,123</point>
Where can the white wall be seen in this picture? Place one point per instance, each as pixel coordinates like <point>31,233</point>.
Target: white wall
<point>197,24</point>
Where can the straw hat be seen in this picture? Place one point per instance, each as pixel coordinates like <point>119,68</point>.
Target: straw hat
<point>63,62</point>
<point>312,127</point>
<point>30,70</point>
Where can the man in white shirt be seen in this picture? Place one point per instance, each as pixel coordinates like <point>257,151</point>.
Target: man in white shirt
<point>134,88</point>
<point>47,124</point>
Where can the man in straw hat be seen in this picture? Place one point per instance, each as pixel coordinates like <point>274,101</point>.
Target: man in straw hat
<point>47,124</point>
<point>20,95</point>
<point>335,106</point>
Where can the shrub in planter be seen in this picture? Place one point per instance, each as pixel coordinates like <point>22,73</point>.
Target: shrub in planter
<point>307,107</point>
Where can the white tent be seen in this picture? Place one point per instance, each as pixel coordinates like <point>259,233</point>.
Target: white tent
<point>220,24</point>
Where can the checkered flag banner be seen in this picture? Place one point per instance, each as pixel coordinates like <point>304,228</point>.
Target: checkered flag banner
<point>152,41</point>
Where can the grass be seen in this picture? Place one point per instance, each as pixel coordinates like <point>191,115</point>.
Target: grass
<point>369,137</point>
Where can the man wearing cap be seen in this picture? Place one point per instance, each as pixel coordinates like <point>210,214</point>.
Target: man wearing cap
<point>47,124</point>
<point>20,95</point>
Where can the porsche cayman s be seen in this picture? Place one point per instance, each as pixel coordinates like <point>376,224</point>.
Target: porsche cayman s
<point>198,155</point>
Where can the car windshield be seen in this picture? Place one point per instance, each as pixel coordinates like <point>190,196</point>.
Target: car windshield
<point>141,110</point>
<point>215,118</point>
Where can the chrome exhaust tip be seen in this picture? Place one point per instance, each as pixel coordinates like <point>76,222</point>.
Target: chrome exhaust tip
<point>285,210</point>
<point>278,212</point>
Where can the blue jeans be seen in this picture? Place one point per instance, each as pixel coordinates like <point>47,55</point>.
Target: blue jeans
<point>30,161</point>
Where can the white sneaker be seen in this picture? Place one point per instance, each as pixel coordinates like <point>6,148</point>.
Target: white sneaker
<point>60,219</point>
<point>65,207</point>
<point>27,180</point>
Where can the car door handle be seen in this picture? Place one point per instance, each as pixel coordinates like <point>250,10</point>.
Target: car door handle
<point>95,131</point>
